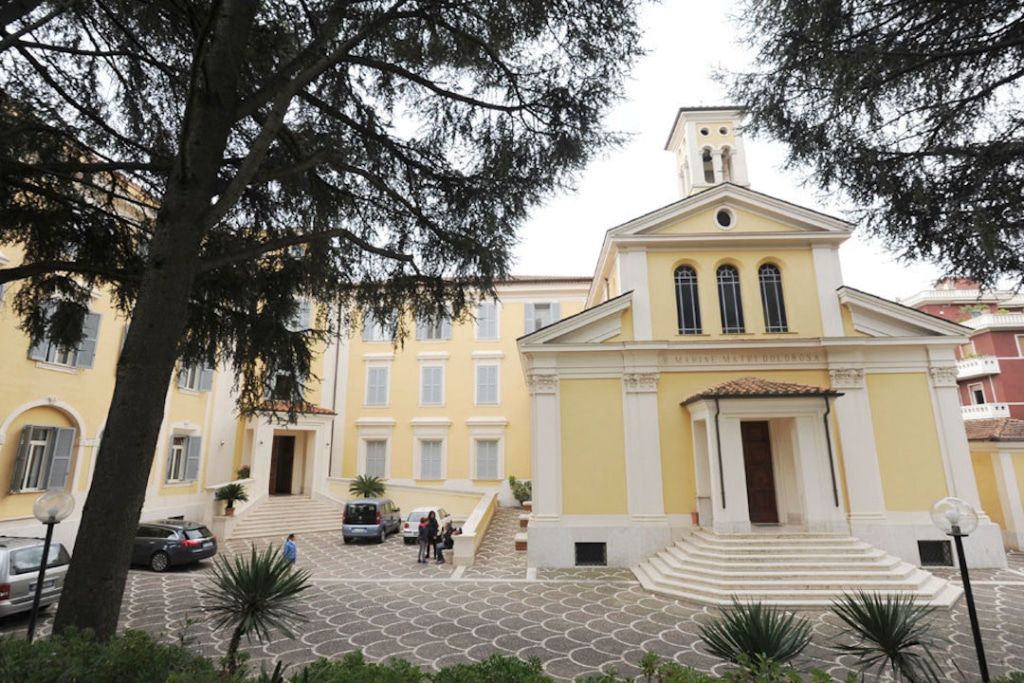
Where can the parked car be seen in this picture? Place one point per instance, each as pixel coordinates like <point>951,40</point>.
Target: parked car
<point>411,525</point>
<point>370,518</point>
<point>168,542</point>
<point>19,570</point>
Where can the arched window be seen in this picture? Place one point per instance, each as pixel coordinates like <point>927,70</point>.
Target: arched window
<point>709,167</point>
<point>771,298</point>
<point>727,165</point>
<point>729,300</point>
<point>687,305</point>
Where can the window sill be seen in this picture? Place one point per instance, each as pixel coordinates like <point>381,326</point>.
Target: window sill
<point>487,405</point>
<point>376,405</point>
<point>782,334</point>
<point>178,484</point>
<point>66,369</point>
<point>190,392</point>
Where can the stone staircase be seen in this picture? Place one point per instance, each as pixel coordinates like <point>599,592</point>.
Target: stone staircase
<point>282,515</point>
<point>787,568</point>
<point>524,522</point>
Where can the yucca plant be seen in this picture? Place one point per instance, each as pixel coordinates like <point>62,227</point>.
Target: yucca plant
<point>748,632</point>
<point>254,594</point>
<point>892,632</point>
<point>366,486</point>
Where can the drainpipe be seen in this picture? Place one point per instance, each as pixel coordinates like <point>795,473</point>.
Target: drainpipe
<point>718,447</point>
<point>831,460</point>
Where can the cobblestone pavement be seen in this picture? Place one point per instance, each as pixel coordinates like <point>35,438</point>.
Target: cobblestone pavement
<point>576,621</point>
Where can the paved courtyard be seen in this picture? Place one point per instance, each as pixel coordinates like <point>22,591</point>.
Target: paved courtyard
<point>377,599</point>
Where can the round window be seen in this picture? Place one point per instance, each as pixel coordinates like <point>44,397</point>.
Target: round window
<point>704,131</point>
<point>723,130</point>
<point>724,218</point>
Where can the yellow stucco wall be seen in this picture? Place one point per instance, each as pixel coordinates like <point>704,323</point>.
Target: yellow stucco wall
<point>459,392</point>
<point>408,499</point>
<point>593,447</point>
<point>988,489</point>
<point>907,441</point>
<point>799,288</point>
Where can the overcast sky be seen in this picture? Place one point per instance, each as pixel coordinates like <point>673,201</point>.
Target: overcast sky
<point>685,42</point>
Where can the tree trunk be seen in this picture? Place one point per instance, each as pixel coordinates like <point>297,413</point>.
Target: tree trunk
<point>232,654</point>
<point>99,568</point>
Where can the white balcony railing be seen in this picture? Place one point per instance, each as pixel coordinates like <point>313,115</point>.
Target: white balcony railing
<point>979,366</point>
<point>985,411</point>
<point>988,321</point>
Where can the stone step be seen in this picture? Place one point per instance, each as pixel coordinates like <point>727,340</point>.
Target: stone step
<point>675,557</point>
<point>281,516</point>
<point>761,548</point>
<point>804,557</point>
<point>521,540</point>
<point>793,539</point>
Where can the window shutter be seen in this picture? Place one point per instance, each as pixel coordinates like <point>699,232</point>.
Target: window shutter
<point>305,317</point>
<point>368,323</point>
<point>376,453</point>
<point>446,328</point>
<point>38,351</point>
<point>528,327</point>
<point>420,329</point>
<point>192,450</point>
<point>22,457</point>
<point>556,312</point>
<point>205,379</point>
<point>487,459</point>
<point>60,458</point>
<point>182,377</point>
<point>87,348</point>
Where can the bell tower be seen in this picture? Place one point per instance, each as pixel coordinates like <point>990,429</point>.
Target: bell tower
<point>709,148</point>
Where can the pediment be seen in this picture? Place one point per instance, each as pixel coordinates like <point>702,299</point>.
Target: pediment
<point>590,326</point>
<point>752,213</point>
<point>878,317</point>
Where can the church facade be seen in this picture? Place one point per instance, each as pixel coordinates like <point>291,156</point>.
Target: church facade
<point>723,377</point>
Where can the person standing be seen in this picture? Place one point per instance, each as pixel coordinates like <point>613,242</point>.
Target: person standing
<point>424,540</point>
<point>433,529</point>
<point>290,550</point>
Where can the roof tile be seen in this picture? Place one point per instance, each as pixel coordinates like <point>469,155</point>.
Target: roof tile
<point>756,387</point>
<point>995,429</point>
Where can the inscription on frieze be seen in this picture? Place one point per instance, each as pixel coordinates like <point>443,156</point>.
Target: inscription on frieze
<point>742,358</point>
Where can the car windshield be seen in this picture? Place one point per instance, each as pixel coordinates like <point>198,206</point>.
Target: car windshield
<point>361,513</point>
<point>27,559</point>
<point>197,533</point>
<point>415,516</point>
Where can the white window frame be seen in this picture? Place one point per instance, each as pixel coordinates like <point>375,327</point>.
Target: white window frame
<point>976,386</point>
<point>181,450</point>
<point>374,429</point>
<point>424,366</point>
<point>497,382</point>
<point>192,374</point>
<point>435,326</point>
<point>36,450</point>
<point>429,429</point>
<point>497,321</point>
<point>386,367</point>
<point>499,460</point>
<point>487,429</point>
<point>442,453</point>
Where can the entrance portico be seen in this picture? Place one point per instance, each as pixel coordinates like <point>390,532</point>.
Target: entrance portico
<point>763,454</point>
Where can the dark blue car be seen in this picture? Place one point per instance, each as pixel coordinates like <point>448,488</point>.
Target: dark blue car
<point>168,542</point>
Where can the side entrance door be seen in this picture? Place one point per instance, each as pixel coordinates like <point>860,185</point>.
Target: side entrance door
<point>282,455</point>
<point>757,462</point>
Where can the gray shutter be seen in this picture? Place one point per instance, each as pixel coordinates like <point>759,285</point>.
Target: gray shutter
<point>419,329</point>
<point>446,328</point>
<point>19,461</point>
<point>305,314</point>
<point>38,351</point>
<point>368,322</point>
<point>192,450</point>
<point>205,379</point>
<point>87,348</point>
<point>182,377</point>
<point>60,458</point>
<point>528,315</point>
<point>556,312</point>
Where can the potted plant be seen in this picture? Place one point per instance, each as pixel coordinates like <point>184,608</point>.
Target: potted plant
<point>244,472</point>
<point>230,493</point>
<point>522,490</point>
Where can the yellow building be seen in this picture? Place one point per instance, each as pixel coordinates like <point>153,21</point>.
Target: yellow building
<point>723,380</point>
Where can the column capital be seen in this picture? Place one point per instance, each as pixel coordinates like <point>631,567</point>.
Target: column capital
<point>943,376</point>
<point>847,378</point>
<point>640,382</point>
<point>542,383</point>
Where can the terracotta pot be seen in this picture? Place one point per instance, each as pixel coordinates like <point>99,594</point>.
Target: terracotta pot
<point>695,518</point>
<point>229,512</point>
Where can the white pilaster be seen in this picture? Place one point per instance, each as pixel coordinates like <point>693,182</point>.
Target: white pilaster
<point>643,447</point>
<point>546,448</point>
<point>813,469</point>
<point>952,436</point>
<point>860,458</point>
<point>829,277</point>
<point>732,513</point>
<point>633,276</point>
<point>1009,497</point>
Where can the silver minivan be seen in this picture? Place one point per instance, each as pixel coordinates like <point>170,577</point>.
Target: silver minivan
<point>19,570</point>
<point>370,518</point>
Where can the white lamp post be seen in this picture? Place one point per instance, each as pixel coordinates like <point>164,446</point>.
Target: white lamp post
<point>957,518</point>
<point>51,508</point>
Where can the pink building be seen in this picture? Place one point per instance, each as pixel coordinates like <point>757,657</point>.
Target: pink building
<point>990,370</point>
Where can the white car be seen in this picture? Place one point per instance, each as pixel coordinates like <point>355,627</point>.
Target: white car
<point>411,524</point>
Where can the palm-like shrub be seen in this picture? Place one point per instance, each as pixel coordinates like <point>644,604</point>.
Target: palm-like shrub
<point>748,632</point>
<point>231,493</point>
<point>254,594</point>
<point>892,632</point>
<point>366,486</point>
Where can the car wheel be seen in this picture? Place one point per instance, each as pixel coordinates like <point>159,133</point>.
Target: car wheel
<point>159,562</point>
<point>347,540</point>
<point>383,535</point>
<point>408,541</point>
